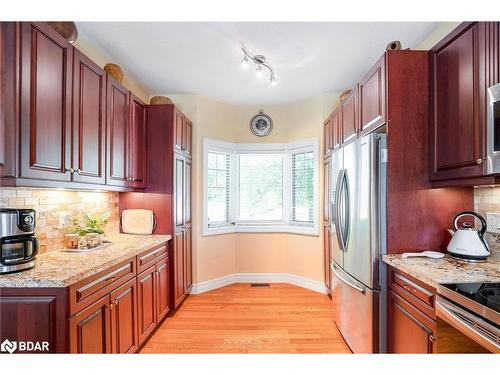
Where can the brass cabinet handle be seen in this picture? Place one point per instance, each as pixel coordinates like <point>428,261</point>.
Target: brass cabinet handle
<point>432,338</point>
<point>479,161</point>
<point>116,302</point>
<point>70,170</point>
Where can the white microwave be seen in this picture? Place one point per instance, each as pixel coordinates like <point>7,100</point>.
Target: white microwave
<point>493,133</point>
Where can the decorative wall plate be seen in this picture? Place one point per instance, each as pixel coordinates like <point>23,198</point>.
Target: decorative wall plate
<point>261,124</point>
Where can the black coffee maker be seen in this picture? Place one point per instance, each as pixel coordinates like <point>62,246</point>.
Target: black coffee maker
<point>18,244</point>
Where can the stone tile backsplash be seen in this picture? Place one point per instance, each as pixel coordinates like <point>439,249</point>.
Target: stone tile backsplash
<point>487,199</point>
<point>50,203</point>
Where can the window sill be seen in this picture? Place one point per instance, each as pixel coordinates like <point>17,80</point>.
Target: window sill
<point>306,231</point>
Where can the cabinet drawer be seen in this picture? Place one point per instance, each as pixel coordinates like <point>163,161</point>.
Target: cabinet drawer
<point>150,257</point>
<point>417,293</point>
<point>89,290</point>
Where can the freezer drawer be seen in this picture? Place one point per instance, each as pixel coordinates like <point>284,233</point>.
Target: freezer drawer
<point>356,311</point>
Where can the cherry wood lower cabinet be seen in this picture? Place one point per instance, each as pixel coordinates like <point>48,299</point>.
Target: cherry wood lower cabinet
<point>90,329</point>
<point>409,330</point>
<point>412,324</point>
<point>124,335</point>
<point>153,303</point>
<point>113,311</point>
<point>411,316</point>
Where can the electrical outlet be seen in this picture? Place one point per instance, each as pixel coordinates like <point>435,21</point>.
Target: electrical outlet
<point>64,220</point>
<point>493,223</point>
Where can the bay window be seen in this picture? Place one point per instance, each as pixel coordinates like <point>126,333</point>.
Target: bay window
<point>260,187</point>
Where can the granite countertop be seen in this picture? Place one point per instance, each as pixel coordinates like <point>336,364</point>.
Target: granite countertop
<point>57,269</point>
<point>446,270</point>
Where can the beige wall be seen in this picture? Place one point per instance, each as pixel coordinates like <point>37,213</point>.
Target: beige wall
<point>220,255</point>
<point>436,35</point>
<point>100,58</point>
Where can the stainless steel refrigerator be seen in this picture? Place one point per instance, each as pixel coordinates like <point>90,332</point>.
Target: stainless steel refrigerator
<point>358,240</point>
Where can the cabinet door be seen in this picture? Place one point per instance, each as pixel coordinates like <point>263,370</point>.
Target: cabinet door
<point>138,140</point>
<point>162,289</point>
<point>179,191</point>
<point>456,144</point>
<point>336,133</point>
<point>372,98</point>
<point>178,266</point>
<point>117,133</point>
<point>90,329</point>
<point>326,254</point>
<point>188,138</point>
<point>187,191</point>
<point>89,122</point>
<point>46,65</point>
<point>327,135</point>
<point>124,333</point>
<point>409,330</point>
<point>2,104</point>
<point>327,187</point>
<point>146,305</point>
<point>349,116</point>
<point>178,129</point>
<point>188,259</point>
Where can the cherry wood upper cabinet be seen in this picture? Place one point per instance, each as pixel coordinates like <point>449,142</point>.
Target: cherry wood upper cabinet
<point>138,143</point>
<point>89,120</point>
<point>117,119</point>
<point>327,135</point>
<point>372,98</point>
<point>2,103</point>
<point>349,115</point>
<point>456,147</point>
<point>188,137</point>
<point>178,129</point>
<point>463,66</point>
<point>336,132</point>
<point>45,113</point>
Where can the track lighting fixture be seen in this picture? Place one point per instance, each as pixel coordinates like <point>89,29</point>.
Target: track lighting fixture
<point>260,61</point>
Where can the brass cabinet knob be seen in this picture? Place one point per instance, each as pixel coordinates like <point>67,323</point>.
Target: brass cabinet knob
<point>479,161</point>
<point>70,170</point>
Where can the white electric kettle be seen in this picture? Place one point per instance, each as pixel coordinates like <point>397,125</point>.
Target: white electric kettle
<point>467,242</point>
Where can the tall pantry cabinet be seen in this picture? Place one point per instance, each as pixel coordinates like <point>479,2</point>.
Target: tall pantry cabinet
<point>168,192</point>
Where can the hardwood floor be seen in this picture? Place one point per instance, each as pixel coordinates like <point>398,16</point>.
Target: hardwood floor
<point>240,319</point>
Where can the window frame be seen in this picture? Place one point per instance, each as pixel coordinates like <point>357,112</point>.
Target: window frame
<point>282,226</point>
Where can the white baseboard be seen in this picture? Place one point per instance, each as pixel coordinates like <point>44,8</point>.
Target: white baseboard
<point>234,278</point>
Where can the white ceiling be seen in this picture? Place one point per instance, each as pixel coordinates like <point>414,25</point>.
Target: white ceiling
<point>204,57</point>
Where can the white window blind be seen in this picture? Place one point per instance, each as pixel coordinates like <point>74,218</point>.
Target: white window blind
<point>302,205</point>
<point>260,187</point>
<point>218,188</point>
<point>267,187</point>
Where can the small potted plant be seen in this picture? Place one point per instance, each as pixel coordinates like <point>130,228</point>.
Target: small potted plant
<point>91,227</point>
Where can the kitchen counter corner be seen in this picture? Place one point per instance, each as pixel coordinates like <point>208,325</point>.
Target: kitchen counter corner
<point>446,270</point>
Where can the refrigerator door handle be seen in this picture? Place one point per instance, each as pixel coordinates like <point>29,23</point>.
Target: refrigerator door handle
<point>347,210</point>
<point>358,288</point>
<point>337,221</point>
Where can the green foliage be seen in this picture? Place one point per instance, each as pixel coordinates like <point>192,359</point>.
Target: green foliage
<point>90,223</point>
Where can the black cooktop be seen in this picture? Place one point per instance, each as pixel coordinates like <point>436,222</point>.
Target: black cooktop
<point>486,294</point>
